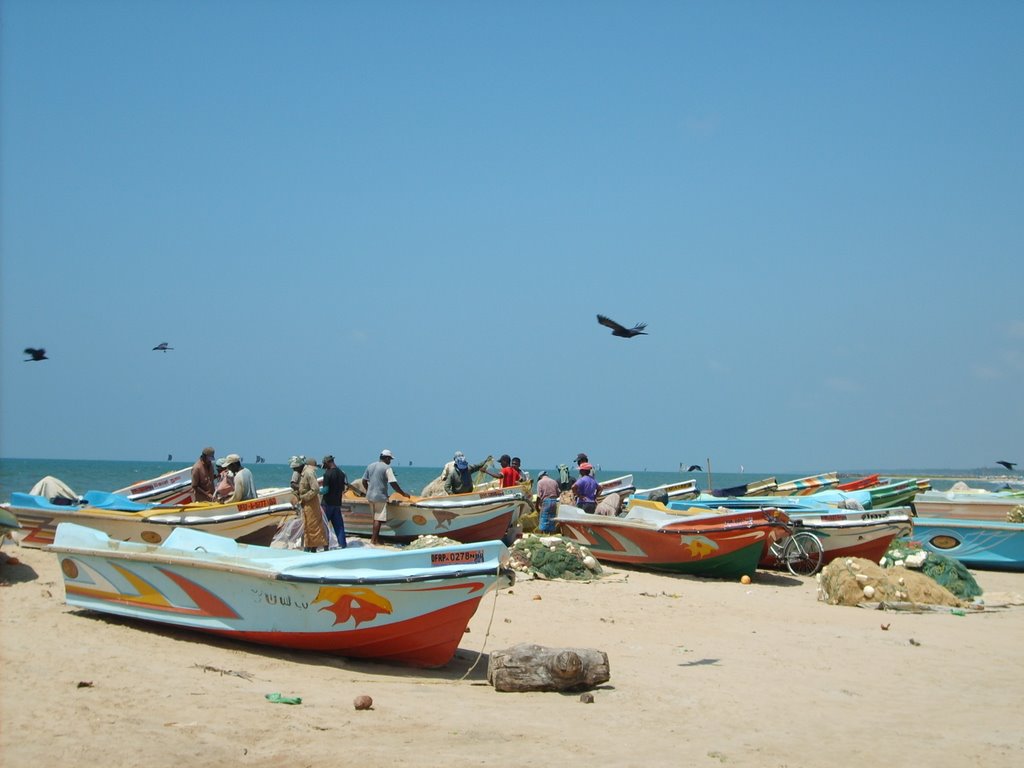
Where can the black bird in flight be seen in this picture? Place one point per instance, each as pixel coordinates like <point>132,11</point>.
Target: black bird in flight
<point>621,330</point>
<point>35,355</point>
<point>695,468</point>
<point>1008,464</point>
<point>162,346</point>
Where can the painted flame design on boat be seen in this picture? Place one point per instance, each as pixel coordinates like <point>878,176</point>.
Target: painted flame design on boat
<point>357,603</point>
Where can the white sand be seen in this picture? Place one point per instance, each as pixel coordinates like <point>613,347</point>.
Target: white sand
<point>703,673</point>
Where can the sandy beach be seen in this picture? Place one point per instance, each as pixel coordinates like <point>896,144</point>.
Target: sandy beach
<point>703,673</point>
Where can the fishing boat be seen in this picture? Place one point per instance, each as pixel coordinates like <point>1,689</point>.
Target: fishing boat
<point>466,517</point>
<point>169,488</point>
<point>983,544</point>
<point>684,489</point>
<point>859,484</point>
<point>964,503</point>
<point>253,522</point>
<point>805,486</point>
<point>727,545</point>
<point>753,488</point>
<point>623,486</point>
<point>851,533</point>
<point>842,532</point>
<point>411,606</point>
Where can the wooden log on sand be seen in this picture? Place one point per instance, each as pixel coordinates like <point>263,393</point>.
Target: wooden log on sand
<point>530,667</point>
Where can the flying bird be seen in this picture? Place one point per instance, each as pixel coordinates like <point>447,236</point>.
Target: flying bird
<point>1008,464</point>
<point>35,355</point>
<point>694,468</point>
<point>621,330</point>
<point>162,346</point>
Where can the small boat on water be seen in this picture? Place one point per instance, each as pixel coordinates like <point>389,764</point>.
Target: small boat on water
<point>718,545</point>
<point>410,606</point>
<point>983,544</point>
<point>466,517</point>
<point>252,522</point>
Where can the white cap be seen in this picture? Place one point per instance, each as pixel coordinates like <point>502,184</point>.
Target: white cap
<point>387,453</point>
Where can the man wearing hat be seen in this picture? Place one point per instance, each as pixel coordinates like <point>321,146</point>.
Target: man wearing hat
<point>547,502</point>
<point>377,477</point>
<point>458,474</point>
<point>202,476</point>
<point>245,484</point>
<point>333,487</point>
<point>585,489</point>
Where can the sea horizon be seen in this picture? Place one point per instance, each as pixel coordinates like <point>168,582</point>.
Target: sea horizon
<point>20,474</point>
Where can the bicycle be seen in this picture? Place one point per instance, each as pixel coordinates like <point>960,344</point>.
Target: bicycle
<point>801,552</point>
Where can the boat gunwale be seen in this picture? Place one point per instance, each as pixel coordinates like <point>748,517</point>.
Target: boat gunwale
<point>240,569</point>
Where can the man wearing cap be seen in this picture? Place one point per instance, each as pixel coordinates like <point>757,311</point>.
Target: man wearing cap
<point>202,476</point>
<point>333,487</point>
<point>377,477</point>
<point>547,502</point>
<point>245,485</point>
<point>225,480</point>
<point>458,474</point>
<point>313,534</point>
<point>585,489</point>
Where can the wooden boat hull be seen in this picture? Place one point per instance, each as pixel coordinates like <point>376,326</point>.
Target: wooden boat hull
<point>480,516</point>
<point>410,607</point>
<point>708,546</point>
<point>169,488</point>
<point>805,486</point>
<point>251,522</point>
<point>859,484</point>
<point>851,533</point>
<point>990,545</point>
<point>977,505</point>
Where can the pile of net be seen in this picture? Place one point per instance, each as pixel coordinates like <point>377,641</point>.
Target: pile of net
<point>552,557</point>
<point>429,542</point>
<point>1016,515</point>
<point>855,580</point>
<point>943,570</point>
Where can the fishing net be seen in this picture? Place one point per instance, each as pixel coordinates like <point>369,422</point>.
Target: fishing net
<point>1016,515</point>
<point>856,580</point>
<point>428,542</point>
<point>552,557</point>
<point>946,571</point>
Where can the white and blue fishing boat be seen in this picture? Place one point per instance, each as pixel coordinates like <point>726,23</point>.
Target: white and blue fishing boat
<point>410,606</point>
<point>983,544</point>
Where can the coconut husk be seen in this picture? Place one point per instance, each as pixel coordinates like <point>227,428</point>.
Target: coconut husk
<point>842,582</point>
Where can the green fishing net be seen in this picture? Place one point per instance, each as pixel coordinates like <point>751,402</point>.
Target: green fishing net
<point>943,570</point>
<point>551,557</point>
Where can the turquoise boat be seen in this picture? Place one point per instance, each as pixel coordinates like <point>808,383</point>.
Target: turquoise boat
<point>982,544</point>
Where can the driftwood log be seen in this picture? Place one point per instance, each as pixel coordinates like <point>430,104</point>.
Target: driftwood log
<point>530,667</point>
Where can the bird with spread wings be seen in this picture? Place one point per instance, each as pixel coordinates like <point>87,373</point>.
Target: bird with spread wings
<point>621,330</point>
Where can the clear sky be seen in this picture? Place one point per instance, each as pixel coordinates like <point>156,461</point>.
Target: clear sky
<point>391,224</point>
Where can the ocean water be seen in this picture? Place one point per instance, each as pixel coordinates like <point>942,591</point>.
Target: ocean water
<point>83,475</point>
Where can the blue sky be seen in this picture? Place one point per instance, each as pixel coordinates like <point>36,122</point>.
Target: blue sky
<point>365,225</point>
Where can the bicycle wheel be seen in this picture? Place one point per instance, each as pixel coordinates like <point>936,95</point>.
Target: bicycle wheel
<point>803,554</point>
